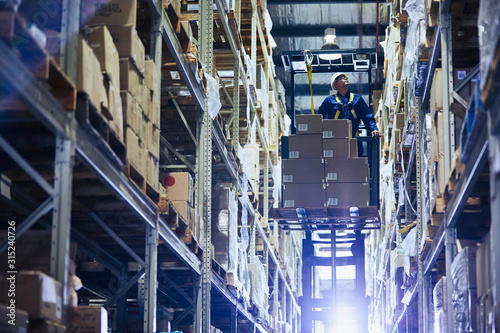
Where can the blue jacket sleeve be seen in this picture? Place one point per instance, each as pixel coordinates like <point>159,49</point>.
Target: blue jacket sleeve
<point>367,116</point>
<point>326,108</point>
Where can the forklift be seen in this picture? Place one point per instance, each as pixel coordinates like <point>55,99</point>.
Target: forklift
<point>333,248</point>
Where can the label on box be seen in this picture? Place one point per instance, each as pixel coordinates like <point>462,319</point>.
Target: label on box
<point>289,203</point>
<point>303,127</point>
<point>461,74</point>
<point>327,153</point>
<point>288,179</point>
<point>294,154</point>
<point>333,201</point>
<point>327,134</point>
<point>331,176</point>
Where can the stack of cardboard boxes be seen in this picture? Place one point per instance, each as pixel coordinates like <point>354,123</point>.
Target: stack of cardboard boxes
<point>323,168</point>
<point>180,194</point>
<point>129,89</point>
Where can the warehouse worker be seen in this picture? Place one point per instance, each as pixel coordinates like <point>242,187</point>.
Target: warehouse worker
<point>347,105</point>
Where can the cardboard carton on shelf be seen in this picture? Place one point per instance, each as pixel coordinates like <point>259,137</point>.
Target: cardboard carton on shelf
<point>101,42</point>
<point>179,186</point>
<point>132,115</point>
<point>87,319</point>
<point>109,12</point>
<point>129,45</point>
<point>89,76</point>
<point>130,78</point>
<point>37,293</point>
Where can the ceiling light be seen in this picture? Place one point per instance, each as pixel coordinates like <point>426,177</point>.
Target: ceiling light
<point>330,44</point>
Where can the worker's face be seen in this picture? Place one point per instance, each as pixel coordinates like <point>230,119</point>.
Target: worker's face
<point>342,81</point>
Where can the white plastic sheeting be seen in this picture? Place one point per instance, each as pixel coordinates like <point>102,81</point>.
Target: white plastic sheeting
<point>488,24</point>
<point>259,287</point>
<point>214,104</point>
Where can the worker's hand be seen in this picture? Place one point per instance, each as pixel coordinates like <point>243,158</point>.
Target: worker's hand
<point>376,134</point>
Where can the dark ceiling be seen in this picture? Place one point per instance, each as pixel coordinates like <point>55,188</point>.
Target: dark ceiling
<point>300,25</point>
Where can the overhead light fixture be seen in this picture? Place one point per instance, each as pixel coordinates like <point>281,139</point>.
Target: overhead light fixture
<point>330,44</point>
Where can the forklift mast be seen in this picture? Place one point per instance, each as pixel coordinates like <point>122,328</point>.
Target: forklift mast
<point>334,236</point>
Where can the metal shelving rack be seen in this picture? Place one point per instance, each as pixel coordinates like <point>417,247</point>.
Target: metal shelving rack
<point>446,235</point>
<point>73,141</point>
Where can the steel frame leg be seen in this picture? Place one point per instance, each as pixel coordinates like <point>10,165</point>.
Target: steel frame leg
<point>61,217</point>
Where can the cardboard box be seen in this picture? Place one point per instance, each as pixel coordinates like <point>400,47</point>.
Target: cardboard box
<point>153,140</point>
<point>145,101</point>
<point>347,170</point>
<point>184,209</point>
<point>337,128</point>
<point>104,48</point>
<point>132,115</point>
<point>87,319</point>
<point>115,107</point>
<point>399,121</point>
<point>152,171</point>
<point>36,293</point>
<point>13,319</point>
<point>150,75</point>
<point>348,194</point>
<point>129,77</point>
<point>45,326</point>
<point>154,115</point>
<point>305,146</point>
<point>108,12</point>
<point>353,148</point>
<point>300,171</point>
<point>304,195</point>
<point>143,128</point>
<point>309,123</point>
<point>133,149</point>
<point>89,76</point>
<point>129,45</point>
<point>179,186</point>
<point>338,148</point>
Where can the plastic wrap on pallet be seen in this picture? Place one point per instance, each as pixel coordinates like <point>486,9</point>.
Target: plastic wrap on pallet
<point>409,246</point>
<point>252,152</point>
<point>386,181</point>
<point>213,96</point>
<point>464,296</point>
<point>260,289</point>
<point>390,53</point>
<point>250,74</point>
<point>233,235</point>
<point>440,306</point>
<point>268,21</point>
<point>488,24</point>
<point>277,185</point>
<point>243,275</point>
<point>425,180</point>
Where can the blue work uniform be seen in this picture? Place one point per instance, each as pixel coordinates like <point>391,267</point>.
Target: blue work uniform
<point>351,107</point>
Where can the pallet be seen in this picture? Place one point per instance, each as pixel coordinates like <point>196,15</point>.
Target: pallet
<point>143,185</point>
<point>15,31</point>
<point>96,124</point>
